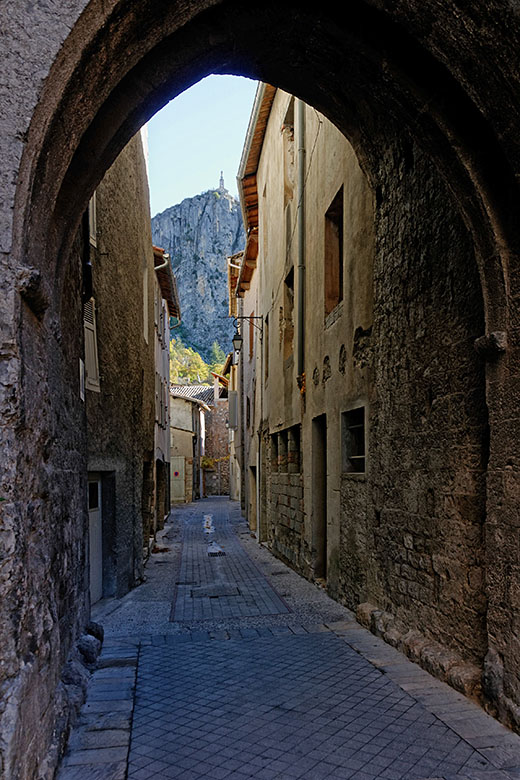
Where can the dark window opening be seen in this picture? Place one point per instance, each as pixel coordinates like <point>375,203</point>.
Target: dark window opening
<point>293,449</point>
<point>274,452</point>
<point>93,495</point>
<point>353,440</point>
<point>282,451</point>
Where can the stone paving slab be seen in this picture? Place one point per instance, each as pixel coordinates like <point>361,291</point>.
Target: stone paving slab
<point>98,746</point>
<point>216,587</point>
<point>106,771</point>
<point>301,693</point>
<point>298,705</point>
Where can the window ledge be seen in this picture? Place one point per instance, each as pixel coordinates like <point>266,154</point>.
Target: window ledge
<point>357,475</point>
<point>334,315</point>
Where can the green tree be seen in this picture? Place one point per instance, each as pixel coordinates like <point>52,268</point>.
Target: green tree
<point>217,358</point>
<point>186,365</point>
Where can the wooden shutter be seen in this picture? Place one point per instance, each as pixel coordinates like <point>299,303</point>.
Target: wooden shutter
<point>91,352</point>
<point>233,409</point>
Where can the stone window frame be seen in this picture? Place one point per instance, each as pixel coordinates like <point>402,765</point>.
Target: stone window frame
<point>354,450</point>
<point>286,453</point>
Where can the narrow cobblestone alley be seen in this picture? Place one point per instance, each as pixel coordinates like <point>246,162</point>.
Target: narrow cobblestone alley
<point>227,664</point>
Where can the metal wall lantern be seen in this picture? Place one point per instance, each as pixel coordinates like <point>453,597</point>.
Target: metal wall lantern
<point>237,341</point>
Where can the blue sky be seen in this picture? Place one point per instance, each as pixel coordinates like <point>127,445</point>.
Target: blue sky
<point>196,136</point>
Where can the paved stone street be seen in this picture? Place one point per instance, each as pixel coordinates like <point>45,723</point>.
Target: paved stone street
<point>226,664</point>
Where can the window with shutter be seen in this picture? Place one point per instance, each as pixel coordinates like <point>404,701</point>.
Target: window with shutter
<point>233,409</point>
<point>91,352</point>
<point>161,322</point>
<point>158,399</point>
<point>156,306</point>
<point>165,404</point>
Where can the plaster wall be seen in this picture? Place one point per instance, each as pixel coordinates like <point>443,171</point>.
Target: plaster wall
<point>182,442</point>
<point>181,412</point>
<point>182,424</point>
<point>333,382</point>
<point>336,381</point>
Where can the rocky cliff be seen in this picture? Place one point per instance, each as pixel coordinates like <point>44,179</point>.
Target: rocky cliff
<point>198,234</point>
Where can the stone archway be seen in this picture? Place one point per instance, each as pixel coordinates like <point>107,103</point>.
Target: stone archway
<point>391,78</point>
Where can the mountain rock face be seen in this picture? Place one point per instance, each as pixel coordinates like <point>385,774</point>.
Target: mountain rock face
<point>198,234</point>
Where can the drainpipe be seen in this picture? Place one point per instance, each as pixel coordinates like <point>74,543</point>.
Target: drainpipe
<point>301,237</point>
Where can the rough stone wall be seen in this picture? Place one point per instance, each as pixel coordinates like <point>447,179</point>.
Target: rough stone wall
<point>44,602</point>
<point>121,416</point>
<point>428,434</point>
<point>354,560</point>
<point>216,481</point>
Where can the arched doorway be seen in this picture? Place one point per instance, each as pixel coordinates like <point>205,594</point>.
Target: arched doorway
<point>411,106</point>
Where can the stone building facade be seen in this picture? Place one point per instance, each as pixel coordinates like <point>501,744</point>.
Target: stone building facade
<point>427,94</point>
<point>187,443</point>
<point>112,263</point>
<point>363,397</point>
<point>167,314</point>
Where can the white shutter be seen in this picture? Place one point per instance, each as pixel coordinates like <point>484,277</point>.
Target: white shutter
<point>91,353</point>
<point>92,220</point>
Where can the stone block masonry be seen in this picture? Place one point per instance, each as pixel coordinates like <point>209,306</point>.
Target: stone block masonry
<point>285,526</point>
